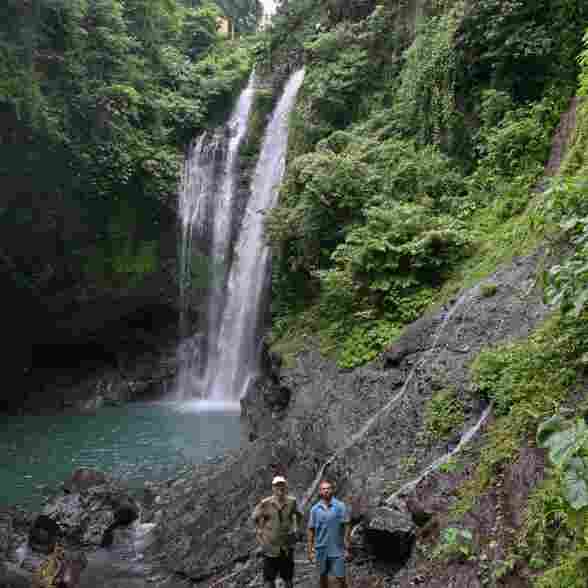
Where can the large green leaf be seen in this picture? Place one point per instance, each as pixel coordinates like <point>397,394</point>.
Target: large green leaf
<point>564,445</point>
<point>552,425</point>
<point>575,483</point>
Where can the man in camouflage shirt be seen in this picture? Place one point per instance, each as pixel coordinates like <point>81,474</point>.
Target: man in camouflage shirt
<point>277,520</point>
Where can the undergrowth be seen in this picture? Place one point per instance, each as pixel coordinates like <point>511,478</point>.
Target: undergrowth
<point>527,381</point>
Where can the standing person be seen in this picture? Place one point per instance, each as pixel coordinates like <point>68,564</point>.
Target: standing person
<point>277,520</point>
<point>329,536</point>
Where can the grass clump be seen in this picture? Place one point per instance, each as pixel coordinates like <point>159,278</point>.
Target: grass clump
<point>488,290</point>
<point>444,414</point>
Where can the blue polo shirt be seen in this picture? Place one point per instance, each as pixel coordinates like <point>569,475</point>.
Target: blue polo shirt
<point>328,523</point>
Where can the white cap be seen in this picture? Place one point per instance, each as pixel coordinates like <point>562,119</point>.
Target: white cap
<point>279,480</point>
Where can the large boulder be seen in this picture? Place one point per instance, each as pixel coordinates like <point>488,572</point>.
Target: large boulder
<point>91,509</point>
<point>389,533</point>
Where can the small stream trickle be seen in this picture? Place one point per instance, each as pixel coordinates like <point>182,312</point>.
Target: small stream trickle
<point>357,437</point>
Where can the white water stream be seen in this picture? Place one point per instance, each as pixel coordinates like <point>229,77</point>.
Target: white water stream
<point>225,237</point>
<point>382,412</point>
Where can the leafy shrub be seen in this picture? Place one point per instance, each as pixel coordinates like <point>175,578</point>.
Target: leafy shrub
<point>456,545</point>
<point>444,413</point>
<point>565,206</point>
<point>556,520</point>
<point>512,146</point>
<point>524,373</point>
<point>336,88</point>
<point>583,61</point>
<point>399,249</point>
<point>425,106</point>
<point>365,341</point>
<point>510,46</point>
<point>567,444</point>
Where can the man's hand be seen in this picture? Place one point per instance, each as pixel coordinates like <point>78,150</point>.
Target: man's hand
<point>311,555</point>
<point>347,554</point>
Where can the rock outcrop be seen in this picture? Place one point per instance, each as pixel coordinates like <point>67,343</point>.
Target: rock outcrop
<point>363,428</point>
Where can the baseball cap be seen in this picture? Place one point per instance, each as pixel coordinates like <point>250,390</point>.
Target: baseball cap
<point>279,480</point>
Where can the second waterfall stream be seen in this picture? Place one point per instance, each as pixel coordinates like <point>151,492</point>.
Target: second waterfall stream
<point>225,260</point>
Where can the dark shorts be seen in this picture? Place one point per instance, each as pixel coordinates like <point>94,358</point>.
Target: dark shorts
<point>282,566</point>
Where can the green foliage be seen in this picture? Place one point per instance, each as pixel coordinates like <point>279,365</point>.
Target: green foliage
<point>510,46</point>
<point>488,290</point>
<point>576,161</point>
<point>583,61</point>
<point>334,89</point>
<point>532,373</point>
<point>456,545</point>
<point>98,99</point>
<point>527,381</point>
<point>444,414</point>
<point>568,449</point>
<point>260,110</point>
<point>365,341</point>
<point>425,102</point>
<point>513,145</point>
<point>556,526</point>
<point>400,248</point>
<point>565,207</point>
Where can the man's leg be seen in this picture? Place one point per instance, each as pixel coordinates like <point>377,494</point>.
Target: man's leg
<point>323,569</point>
<point>270,571</point>
<point>287,568</point>
<point>338,569</point>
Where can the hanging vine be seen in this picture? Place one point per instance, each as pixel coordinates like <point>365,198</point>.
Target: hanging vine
<point>425,102</point>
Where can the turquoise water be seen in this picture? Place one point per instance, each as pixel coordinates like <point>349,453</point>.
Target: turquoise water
<point>137,442</point>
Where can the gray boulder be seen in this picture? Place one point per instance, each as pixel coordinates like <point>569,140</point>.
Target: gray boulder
<point>389,533</point>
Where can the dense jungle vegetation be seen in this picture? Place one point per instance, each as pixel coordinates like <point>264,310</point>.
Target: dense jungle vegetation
<point>416,167</point>
<point>412,164</point>
<point>98,99</point>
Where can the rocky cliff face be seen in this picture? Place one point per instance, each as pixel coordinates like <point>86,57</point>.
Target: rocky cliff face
<point>363,428</point>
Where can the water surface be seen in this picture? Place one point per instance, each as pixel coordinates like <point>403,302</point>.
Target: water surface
<point>136,442</point>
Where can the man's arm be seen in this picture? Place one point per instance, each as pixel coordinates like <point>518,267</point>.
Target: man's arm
<point>257,518</point>
<point>311,544</point>
<point>347,539</point>
<point>347,531</point>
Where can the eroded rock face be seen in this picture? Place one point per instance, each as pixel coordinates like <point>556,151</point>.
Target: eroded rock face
<point>266,400</point>
<point>362,428</point>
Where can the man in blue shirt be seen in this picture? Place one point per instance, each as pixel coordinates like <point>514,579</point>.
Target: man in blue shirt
<point>329,536</point>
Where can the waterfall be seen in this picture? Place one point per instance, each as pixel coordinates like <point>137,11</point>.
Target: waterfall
<point>207,205</point>
<point>238,341</point>
<point>218,361</point>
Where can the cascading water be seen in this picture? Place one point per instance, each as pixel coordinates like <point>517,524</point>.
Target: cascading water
<point>206,208</point>
<point>218,362</point>
<point>238,343</point>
